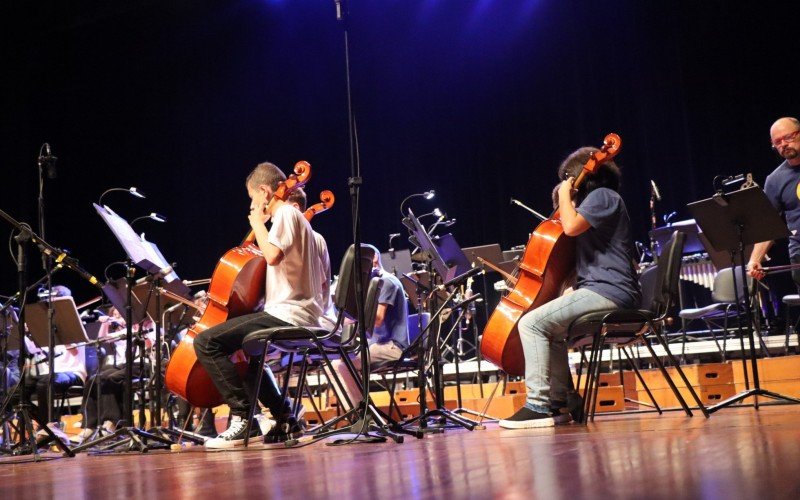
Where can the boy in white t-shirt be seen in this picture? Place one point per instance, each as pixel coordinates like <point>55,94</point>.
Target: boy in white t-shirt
<point>292,298</point>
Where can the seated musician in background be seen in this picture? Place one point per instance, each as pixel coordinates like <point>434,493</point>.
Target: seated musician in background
<point>292,294</point>
<point>781,188</point>
<point>111,373</point>
<point>597,218</point>
<point>389,334</point>
<point>69,367</point>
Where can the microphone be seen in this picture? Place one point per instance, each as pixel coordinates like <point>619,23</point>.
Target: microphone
<point>47,161</point>
<point>458,279</point>
<point>654,190</point>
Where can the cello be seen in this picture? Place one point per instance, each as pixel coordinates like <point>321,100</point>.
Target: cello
<point>236,288</point>
<point>326,201</point>
<point>548,260</point>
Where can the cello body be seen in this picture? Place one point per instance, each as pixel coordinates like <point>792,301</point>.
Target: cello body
<point>548,261</point>
<point>237,288</point>
<point>539,280</point>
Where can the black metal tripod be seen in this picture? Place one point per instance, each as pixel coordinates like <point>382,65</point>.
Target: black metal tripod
<point>22,416</point>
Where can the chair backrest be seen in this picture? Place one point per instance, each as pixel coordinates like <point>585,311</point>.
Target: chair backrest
<point>345,298</point>
<point>647,282</point>
<point>414,325</point>
<point>668,274</point>
<point>724,290</point>
<point>371,302</point>
<point>350,330</point>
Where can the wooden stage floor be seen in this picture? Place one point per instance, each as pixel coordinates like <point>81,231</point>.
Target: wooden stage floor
<point>737,453</point>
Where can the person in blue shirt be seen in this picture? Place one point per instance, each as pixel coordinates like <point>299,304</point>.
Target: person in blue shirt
<point>389,333</point>
<point>596,216</point>
<point>782,187</point>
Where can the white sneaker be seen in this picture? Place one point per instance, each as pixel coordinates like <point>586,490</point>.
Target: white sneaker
<point>82,436</point>
<point>109,426</point>
<point>264,423</point>
<point>232,437</point>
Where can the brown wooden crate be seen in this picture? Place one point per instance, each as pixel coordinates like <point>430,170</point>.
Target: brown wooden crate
<point>698,375</point>
<point>769,369</point>
<point>709,395</point>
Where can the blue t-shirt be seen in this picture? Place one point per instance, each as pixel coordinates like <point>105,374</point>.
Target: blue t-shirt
<point>781,189</point>
<point>604,252</point>
<point>395,321</point>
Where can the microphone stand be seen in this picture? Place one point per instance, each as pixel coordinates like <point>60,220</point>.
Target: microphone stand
<point>371,425</point>
<point>23,413</point>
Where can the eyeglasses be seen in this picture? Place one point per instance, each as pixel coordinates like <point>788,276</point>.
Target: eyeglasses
<point>785,139</point>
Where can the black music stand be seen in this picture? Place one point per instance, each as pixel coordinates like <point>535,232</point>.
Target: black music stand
<point>730,222</point>
<point>67,329</point>
<point>419,237</point>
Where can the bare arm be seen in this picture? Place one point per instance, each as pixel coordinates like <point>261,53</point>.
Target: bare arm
<point>754,265</point>
<point>380,315</point>
<point>572,222</point>
<point>258,219</point>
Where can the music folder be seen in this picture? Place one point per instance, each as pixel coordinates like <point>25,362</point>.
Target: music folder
<point>67,323</point>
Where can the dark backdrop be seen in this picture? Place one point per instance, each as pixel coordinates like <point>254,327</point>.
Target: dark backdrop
<point>477,99</point>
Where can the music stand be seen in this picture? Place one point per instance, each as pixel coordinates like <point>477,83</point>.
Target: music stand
<point>67,322</point>
<point>397,262</point>
<point>145,255</point>
<point>730,222</point>
<point>420,238</point>
<point>452,254</point>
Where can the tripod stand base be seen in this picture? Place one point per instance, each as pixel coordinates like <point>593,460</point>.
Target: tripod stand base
<point>368,428</point>
<point>24,427</point>
<point>752,392</point>
<point>445,417</point>
<point>135,439</point>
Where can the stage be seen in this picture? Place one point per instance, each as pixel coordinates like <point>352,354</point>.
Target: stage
<point>737,453</point>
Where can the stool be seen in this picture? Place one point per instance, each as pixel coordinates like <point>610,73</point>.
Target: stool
<point>791,301</point>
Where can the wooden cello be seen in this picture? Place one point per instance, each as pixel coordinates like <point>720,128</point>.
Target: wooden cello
<point>548,260</point>
<point>237,288</point>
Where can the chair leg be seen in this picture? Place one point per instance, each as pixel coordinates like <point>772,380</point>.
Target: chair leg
<point>301,384</point>
<point>596,375</point>
<point>699,403</point>
<point>716,341</point>
<point>254,398</point>
<point>641,379</point>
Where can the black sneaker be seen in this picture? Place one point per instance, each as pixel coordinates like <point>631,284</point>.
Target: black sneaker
<point>233,436</point>
<point>526,418</point>
<point>560,414</point>
<point>284,430</point>
<point>575,405</point>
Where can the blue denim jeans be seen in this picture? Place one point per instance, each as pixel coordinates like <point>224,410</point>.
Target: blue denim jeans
<point>543,332</point>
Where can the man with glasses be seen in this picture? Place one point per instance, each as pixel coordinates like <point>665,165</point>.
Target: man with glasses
<point>783,190</point>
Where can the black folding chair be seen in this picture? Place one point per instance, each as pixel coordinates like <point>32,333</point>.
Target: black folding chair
<point>629,327</point>
<point>304,341</point>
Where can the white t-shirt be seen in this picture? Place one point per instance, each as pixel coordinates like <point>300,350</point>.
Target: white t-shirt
<point>328,318</point>
<point>294,285</point>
